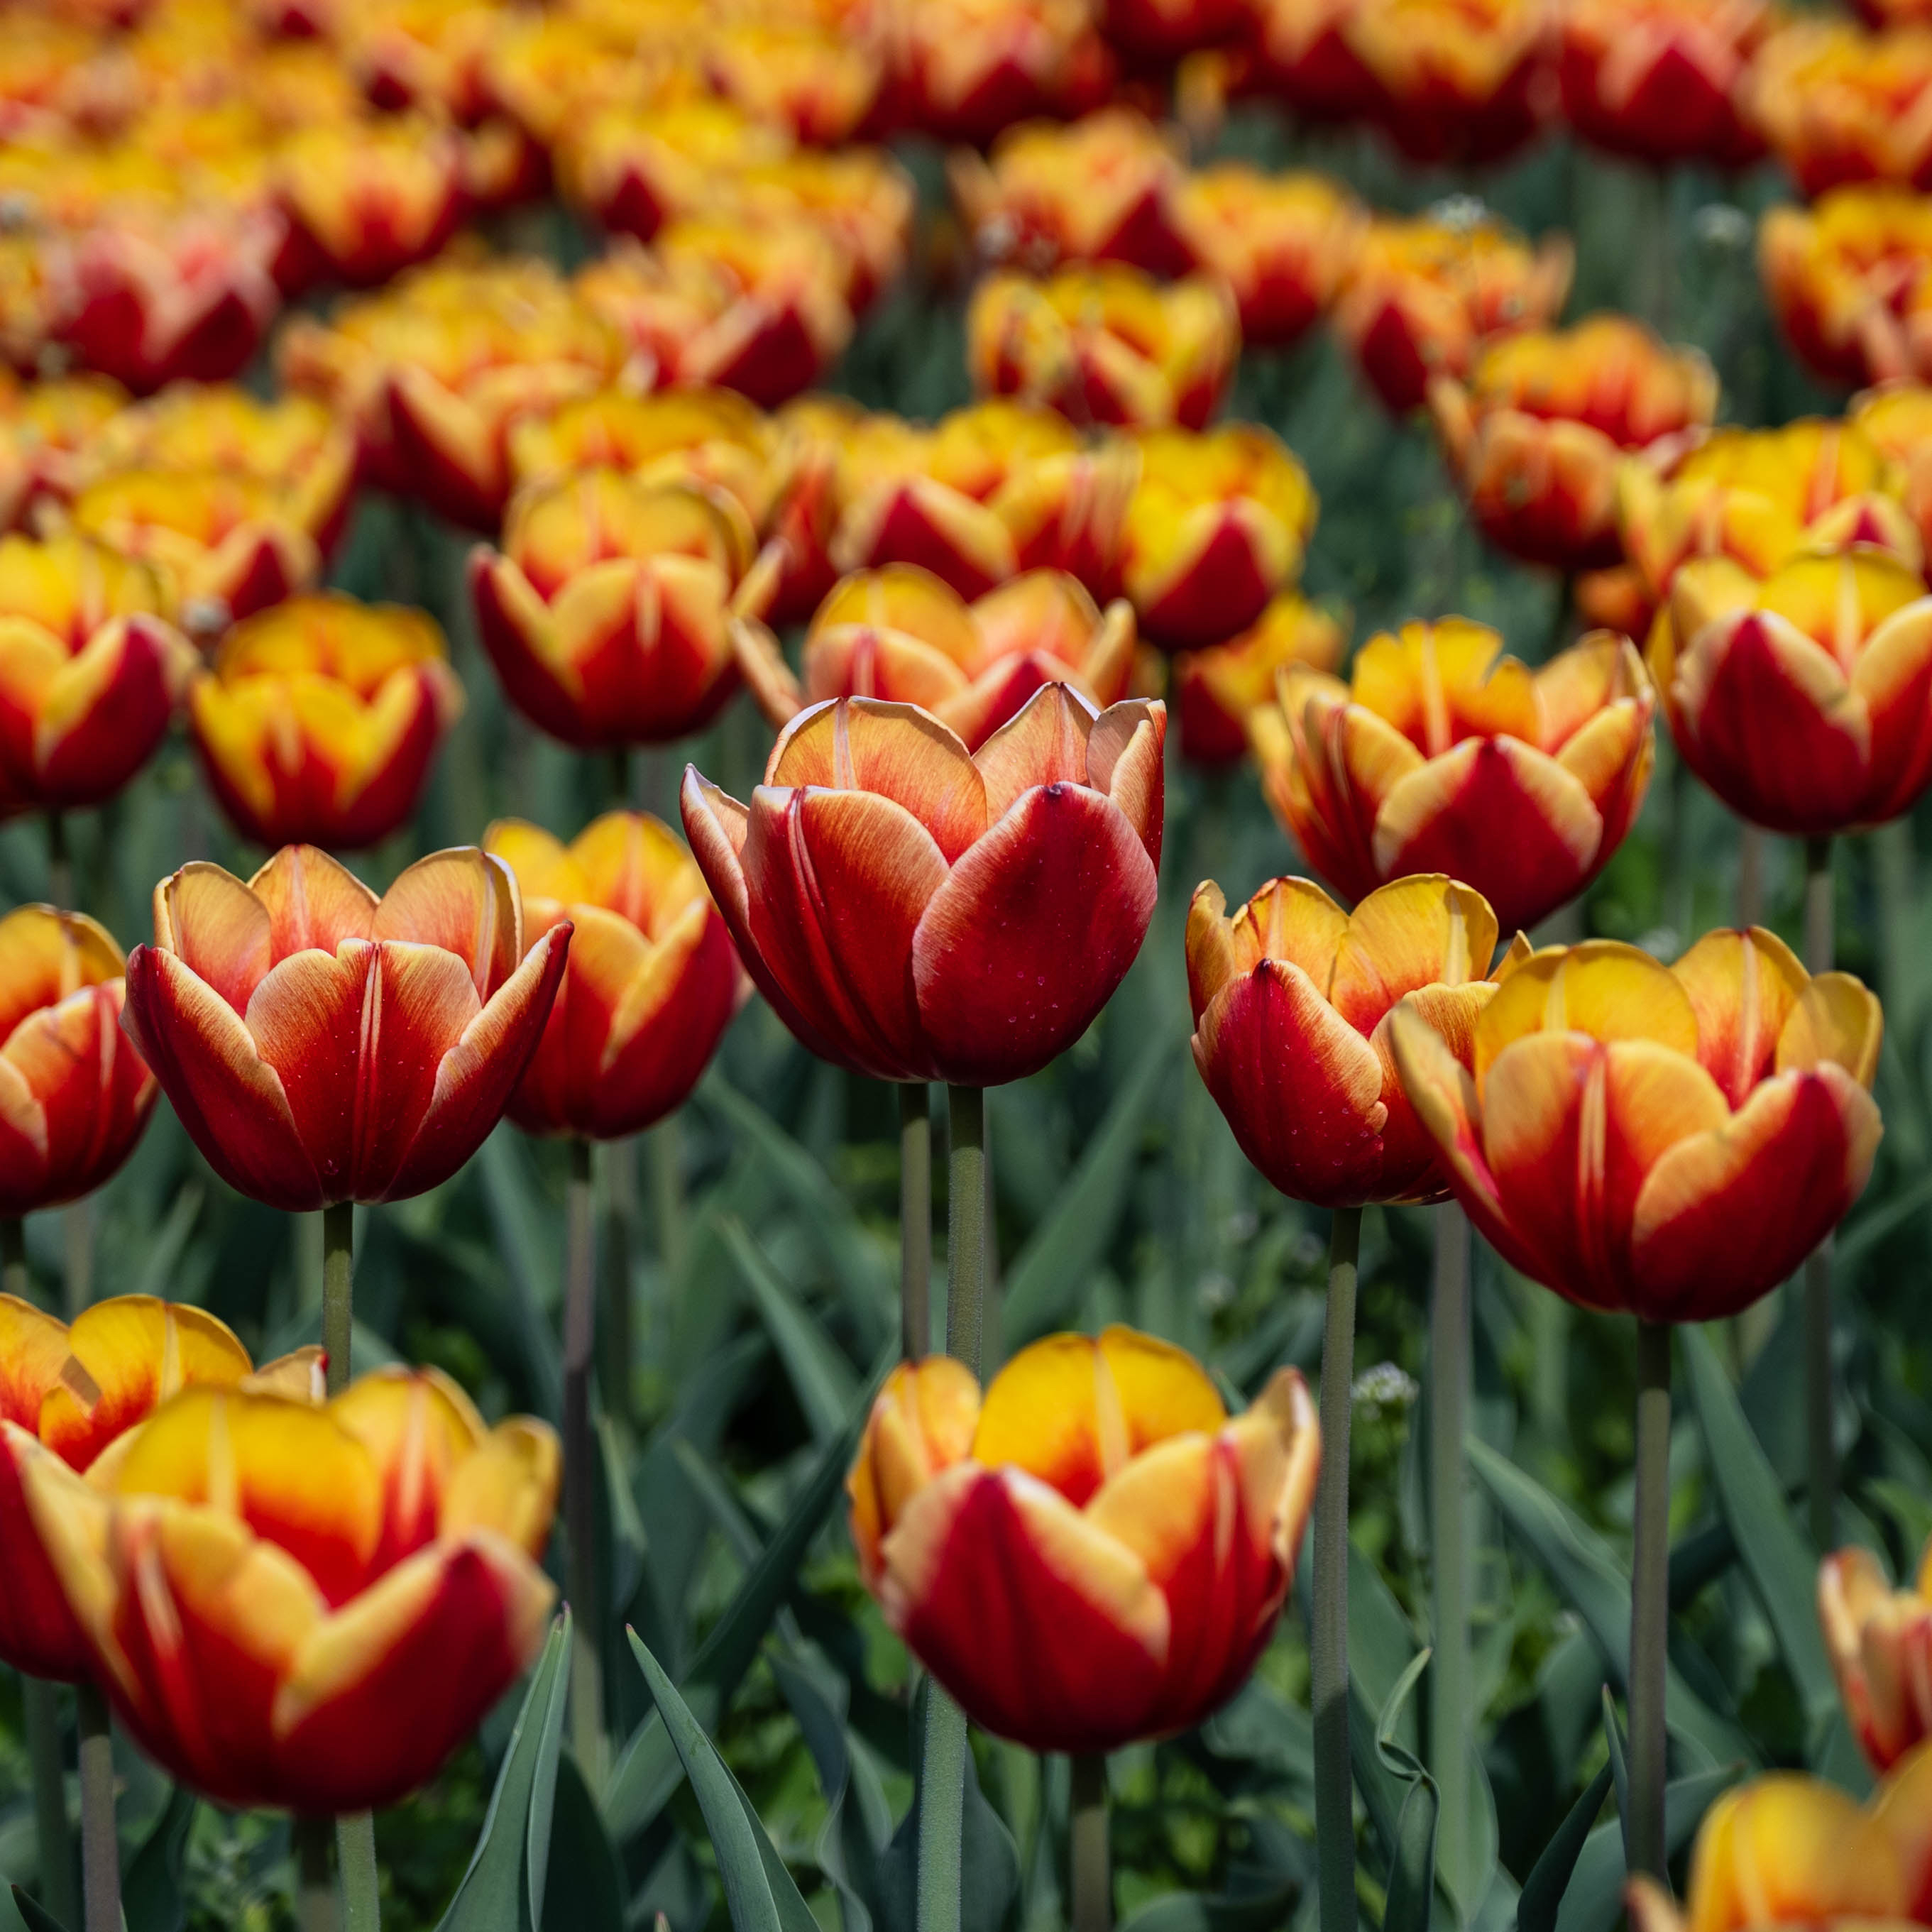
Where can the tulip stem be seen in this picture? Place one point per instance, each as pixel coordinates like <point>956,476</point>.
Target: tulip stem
<point>315,1891</point>
<point>945,1762</point>
<point>41,1708</point>
<point>356,1865</point>
<point>77,1226</point>
<point>1821,1460</point>
<point>664,1150</point>
<point>619,1353</point>
<point>14,1279</point>
<point>1644,1840</point>
<point>579,1307</point>
<point>338,1276</point>
<point>1091,1873</point>
<point>1450,1718</point>
<point>100,1843</point>
<point>60,866</point>
<point>916,1218</point>
<point>1334,1787</point>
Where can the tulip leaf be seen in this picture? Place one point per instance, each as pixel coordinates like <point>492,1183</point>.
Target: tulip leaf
<point>585,1890</point>
<point>503,1889</point>
<point>824,1381</point>
<point>1777,1555</point>
<point>1199,1911</point>
<point>1597,1587</point>
<point>1618,1748</point>
<point>34,1914</point>
<point>760,1893</point>
<point>1593,1901</point>
<point>1411,1880</point>
<point>1044,1288</point>
<point>151,1894</point>
<point>1549,1877</point>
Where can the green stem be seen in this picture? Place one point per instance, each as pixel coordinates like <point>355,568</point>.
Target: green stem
<point>338,1276</point>
<point>1334,1787</point>
<point>60,866</point>
<point>1751,874</point>
<point>315,1889</point>
<point>355,1863</point>
<point>14,1279</point>
<point>1560,614</point>
<point>944,1763</point>
<point>620,778</point>
<point>1821,1459</point>
<point>40,1707</point>
<point>916,1219</point>
<point>77,1226</point>
<point>100,1843</point>
<point>619,1356</point>
<point>664,1153</point>
<point>1650,1602</point>
<point>1451,1719</point>
<point>579,1487</point>
<point>1091,1872</point>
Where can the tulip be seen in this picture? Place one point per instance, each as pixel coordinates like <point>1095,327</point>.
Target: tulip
<point>1216,527</point>
<point>964,70</point>
<point>301,1608</point>
<point>1662,80</point>
<point>90,672</point>
<point>1896,419</point>
<point>819,82</point>
<point>1217,690</point>
<point>1878,1638</point>
<point>321,1045</point>
<point>1103,189</point>
<point>1106,344</point>
<point>967,916</point>
<point>1425,292</point>
<point>1163,30</point>
<point>653,981</point>
<point>422,54</point>
<point>1284,244</point>
<point>1836,104</point>
<point>901,635</point>
<point>1440,752</point>
<point>73,1392</point>
<point>1535,437</point>
<point>1668,1140</point>
<point>1850,281</point>
<point>47,430</point>
<point>607,612</point>
<point>1467,83</point>
<point>1094,1553</point>
<point>1292,998</point>
<point>1805,701</point>
<point>319,720</point>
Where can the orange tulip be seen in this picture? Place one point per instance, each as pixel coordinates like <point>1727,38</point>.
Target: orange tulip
<point>1836,104</point>
<point>814,80</point>
<point>1466,82</point>
<point>1425,292</point>
<point>1879,1640</point>
<point>1292,998</point>
<point>1670,1141</point>
<point>914,912</point>
<point>319,720</point>
<point>653,981</point>
<point>1536,437</point>
<point>1217,690</point>
<point>901,635</point>
<point>1662,80</point>
<point>1284,244</point>
<point>1805,701</point>
<point>47,433</point>
<point>1441,753</point>
<point>1092,1553</point>
<point>963,70</point>
<point>1217,527</point>
<point>74,1096</point>
<point>1850,281</point>
<point>1896,418</point>
<point>607,612</point>
<point>90,671</point>
<point>1106,344</point>
<point>307,1608</point>
<point>72,1393</point>
<point>321,1045</point>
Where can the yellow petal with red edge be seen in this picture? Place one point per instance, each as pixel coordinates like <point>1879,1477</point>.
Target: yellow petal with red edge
<point>45,955</point>
<point>312,900</point>
<point>465,901</point>
<point>1124,751</point>
<point>33,1347</point>
<point>1836,1018</point>
<point>127,1357</point>
<point>1416,932</point>
<point>638,868</point>
<point>293,1474</point>
<point>1743,985</point>
<point>1209,945</point>
<point>1293,920</point>
<point>543,867</point>
<point>1410,1155</point>
<point>1602,988</point>
<point>921,1422</point>
<point>418,1425</point>
<point>508,1486</point>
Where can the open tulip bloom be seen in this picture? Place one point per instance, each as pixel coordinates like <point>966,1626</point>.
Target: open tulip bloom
<point>306,1608</point>
<point>916,912</point>
<point>1092,1552</point>
<point>321,1045</point>
<point>1879,1640</point>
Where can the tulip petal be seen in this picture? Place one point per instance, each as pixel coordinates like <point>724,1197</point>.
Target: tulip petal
<point>417,1425</point>
<point>1124,759</point>
<point>1893,674</point>
<point>1211,945</point>
<point>33,1348</point>
<point>312,900</point>
<point>217,928</point>
<point>1410,1163</point>
<point>1837,1019</point>
<point>1046,744</point>
<point>922,1421</point>
<point>1417,932</point>
<point>1031,933</point>
<point>308,1018</point>
<point>465,901</point>
<point>38,1634</point>
<point>1743,986</point>
<point>506,1487</point>
<point>1606,990</point>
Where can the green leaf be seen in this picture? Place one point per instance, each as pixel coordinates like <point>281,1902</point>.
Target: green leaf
<point>1548,1878</point>
<point>1594,1901</point>
<point>1199,1911</point>
<point>759,1893</point>
<point>1597,1587</point>
<point>1411,1881</point>
<point>1782,1567</point>
<point>585,1890</point>
<point>1049,1277</point>
<point>503,1889</point>
<point>151,1894</point>
<point>824,1381</point>
<point>1619,1763</point>
<point>34,1914</point>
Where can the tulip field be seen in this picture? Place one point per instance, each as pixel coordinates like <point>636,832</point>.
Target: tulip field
<point>964,965</point>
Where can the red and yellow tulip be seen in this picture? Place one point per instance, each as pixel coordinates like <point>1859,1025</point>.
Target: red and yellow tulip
<point>1217,690</point>
<point>916,912</point>
<point>1670,1141</point>
<point>1442,754</point>
<point>48,433</point>
<point>306,1608</point>
<point>320,1044</point>
<point>1880,1640</point>
<point>1896,418</point>
<point>964,70</point>
<point>653,982</point>
<point>804,75</point>
<point>1837,104</point>
<point>1092,1552</point>
<point>1292,998</point>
